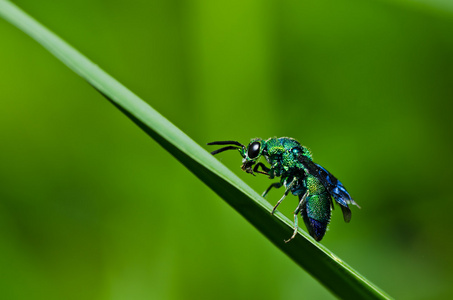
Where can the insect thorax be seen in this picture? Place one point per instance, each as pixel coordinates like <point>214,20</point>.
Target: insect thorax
<point>282,155</point>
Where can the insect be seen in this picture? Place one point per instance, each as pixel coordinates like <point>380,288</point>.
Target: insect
<point>293,163</point>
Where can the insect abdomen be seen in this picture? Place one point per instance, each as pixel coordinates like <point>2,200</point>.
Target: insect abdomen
<point>316,210</point>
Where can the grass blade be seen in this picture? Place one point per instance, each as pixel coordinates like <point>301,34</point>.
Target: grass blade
<point>321,263</point>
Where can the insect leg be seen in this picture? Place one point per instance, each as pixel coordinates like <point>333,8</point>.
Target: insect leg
<point>276,185</point>
<point>284,195</point>
<point>265,170</point>
<point>296,212</point>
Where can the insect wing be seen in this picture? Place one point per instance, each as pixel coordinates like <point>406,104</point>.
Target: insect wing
<point>332,184</point>
<point>337,190</point>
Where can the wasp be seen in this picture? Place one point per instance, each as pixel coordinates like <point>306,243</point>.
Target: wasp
<point>293,163</point>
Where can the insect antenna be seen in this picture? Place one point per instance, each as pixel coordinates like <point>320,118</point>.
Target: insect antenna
<point>237,145</point>
<point>224,149</point>
<point>226,143</point>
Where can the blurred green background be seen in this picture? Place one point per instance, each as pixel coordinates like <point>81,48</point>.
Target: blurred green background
<point>92,208</point>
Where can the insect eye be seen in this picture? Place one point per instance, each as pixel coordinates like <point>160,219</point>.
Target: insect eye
<point>254,150</point>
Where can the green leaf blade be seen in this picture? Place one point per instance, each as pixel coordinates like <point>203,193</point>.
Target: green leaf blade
<point>316,259</point>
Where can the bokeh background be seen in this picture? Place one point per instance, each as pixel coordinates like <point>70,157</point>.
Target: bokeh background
<point>92,208</point>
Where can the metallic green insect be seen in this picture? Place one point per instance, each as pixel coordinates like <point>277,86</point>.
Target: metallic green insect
<point>293,163</point>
